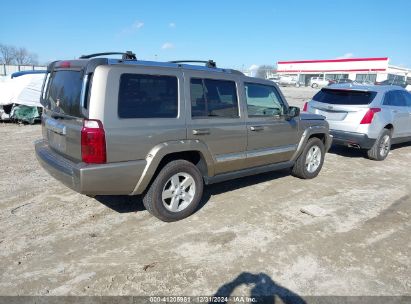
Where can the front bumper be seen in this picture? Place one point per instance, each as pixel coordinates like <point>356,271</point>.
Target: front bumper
<point>328,142</point>
<point>110,179</point>
<point>352,139</point>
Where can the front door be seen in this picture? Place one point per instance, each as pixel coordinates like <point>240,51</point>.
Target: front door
<point>407,96</point>
<point>271,137</point>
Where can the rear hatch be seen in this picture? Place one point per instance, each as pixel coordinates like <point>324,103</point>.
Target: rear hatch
<point>62,98</point>
<point>344,109</point>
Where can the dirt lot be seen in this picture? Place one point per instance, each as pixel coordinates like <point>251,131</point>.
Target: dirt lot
<point>250,232</point>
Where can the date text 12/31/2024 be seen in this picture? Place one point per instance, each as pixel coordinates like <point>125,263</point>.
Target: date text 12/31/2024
<point>203,299</point>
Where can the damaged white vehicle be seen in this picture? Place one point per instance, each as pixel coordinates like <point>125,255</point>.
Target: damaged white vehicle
<point>20,96</point>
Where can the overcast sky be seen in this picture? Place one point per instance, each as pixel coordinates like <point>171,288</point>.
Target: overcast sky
<point>233,33</point>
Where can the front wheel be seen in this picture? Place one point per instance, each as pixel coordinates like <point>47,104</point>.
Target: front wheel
<point>175,192</point>
<point>314,85</point>
<point>381,147</point>
<point>311,160</point>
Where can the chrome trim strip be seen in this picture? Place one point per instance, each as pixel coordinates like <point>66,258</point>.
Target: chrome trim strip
<point>229,157</point>
<point>271,151</point>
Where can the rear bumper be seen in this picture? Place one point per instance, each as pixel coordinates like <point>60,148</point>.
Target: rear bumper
<point>351,139</point>
<point>114,178</point>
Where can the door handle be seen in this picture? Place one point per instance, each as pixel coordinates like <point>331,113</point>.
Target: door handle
<point>395,111</point>
<point>257,128</point>
<point>201,131</point>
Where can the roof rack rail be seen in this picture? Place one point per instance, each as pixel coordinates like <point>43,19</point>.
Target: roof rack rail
<point>208,63</point>
<point>129,55</point>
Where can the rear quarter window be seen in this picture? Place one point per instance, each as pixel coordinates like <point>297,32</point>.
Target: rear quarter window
<point>395,99</point>
<point>344,97</point>
<point>148,96</point>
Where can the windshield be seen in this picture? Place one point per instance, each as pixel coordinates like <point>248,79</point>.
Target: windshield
<point>64,92</point>
<point>344,97</point>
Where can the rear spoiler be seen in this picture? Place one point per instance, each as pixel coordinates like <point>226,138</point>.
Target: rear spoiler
<point>347,90</point>
<point>87,65</point>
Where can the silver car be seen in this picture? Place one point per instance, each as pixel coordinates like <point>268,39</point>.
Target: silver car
<point>366,117</point>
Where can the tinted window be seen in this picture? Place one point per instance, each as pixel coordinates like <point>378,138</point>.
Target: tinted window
<point>394,98</point>
<point>344,97</point>
<point>147,96</point>
<point>263,100</point>
<point>407,96</point>
<point>213,98</point>
<point>64,92</point>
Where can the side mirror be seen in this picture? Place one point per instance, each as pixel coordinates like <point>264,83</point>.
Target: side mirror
<point>293,112</point>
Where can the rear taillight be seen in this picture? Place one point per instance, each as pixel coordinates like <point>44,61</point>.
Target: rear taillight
<point>93,142</point>
<point>369,116</point>
<point>305,108</point>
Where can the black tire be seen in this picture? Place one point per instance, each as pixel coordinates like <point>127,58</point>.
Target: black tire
<point>153,202</point>
<point>376,153</point>
<point>314,85</point>
<point>300,169</point>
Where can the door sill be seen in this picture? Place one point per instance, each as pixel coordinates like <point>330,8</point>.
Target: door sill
<point>247,172</point>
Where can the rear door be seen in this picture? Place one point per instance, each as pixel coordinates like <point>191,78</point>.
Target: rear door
<point>62,116</point>
<point>215,118</point>
<point>343,109</point>
<point>271,137</point>
<point>408,105</point>
<point>395,102</point>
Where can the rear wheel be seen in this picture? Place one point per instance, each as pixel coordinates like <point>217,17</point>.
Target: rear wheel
<point>310,162</point>
<point>175,192</point>
<point>381,147</point>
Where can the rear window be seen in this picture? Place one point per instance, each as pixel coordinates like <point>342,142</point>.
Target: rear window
<point>64,92</point>
<point>148,96</point>
<point>344,97</point>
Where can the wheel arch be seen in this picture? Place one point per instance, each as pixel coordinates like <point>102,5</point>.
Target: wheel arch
<point>320,136</point>
<point>193,151</point>
<point>313,131</point>
<point>390,127</point>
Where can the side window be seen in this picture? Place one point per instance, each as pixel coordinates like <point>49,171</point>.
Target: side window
<point>213,98</point>
<point>394,98</point>
<point>198,103</point>
<point>407,97</point>
<point>147,96</point>
<point>263,100</point>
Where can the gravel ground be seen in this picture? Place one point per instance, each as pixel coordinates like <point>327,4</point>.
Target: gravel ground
<point>352,238</point>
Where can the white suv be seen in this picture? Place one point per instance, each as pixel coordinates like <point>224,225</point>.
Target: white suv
<point>316,82</point>
<point>366,117</point>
